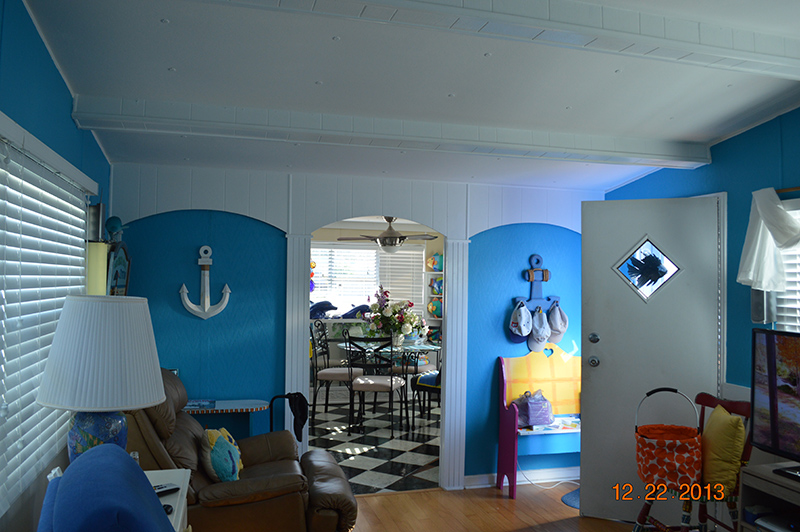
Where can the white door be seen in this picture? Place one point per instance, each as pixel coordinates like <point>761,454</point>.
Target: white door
<point>632,344</point>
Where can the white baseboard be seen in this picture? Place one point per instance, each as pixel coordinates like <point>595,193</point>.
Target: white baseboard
<point>534,476</point>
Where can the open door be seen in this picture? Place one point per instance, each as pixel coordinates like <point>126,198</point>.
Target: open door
<point>653,296</point>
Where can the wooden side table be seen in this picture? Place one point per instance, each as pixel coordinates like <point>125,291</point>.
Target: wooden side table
<point>179,515</point>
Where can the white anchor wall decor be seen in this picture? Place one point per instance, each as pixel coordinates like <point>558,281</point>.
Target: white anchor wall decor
<point>205,310</point>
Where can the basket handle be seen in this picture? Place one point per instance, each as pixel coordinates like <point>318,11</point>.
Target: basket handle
<point>671,390</point>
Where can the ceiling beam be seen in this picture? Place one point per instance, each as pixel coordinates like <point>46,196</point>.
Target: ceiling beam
<point>283,125</point>
<point>572,24</point>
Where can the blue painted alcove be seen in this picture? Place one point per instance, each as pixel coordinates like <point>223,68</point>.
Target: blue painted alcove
<point>497,258</point>
<point>240,353</point>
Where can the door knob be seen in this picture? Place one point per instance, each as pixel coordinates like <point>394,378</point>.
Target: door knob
<point>594,361</point>
<point>594,338</point>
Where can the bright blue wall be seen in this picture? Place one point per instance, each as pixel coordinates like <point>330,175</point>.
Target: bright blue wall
<point>765,156</point>
<point>33,94</point>
<point>497,258</point>
<point>239,353</point>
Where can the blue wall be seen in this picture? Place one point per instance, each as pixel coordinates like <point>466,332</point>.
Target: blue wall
<point>765,156</point>
<point>239,353</point>
<point>497,258</point>
<point>33,94</point>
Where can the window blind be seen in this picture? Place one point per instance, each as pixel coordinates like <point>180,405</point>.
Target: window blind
<point>346,274</point>
<point>788,302</point>
<point>42,260</point>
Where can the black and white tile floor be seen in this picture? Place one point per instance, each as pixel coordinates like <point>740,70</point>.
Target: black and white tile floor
<point>374,462</point>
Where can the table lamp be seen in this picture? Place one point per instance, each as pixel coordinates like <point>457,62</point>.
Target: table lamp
<point>103,360</point>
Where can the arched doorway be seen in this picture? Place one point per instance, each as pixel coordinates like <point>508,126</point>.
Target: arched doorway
<point>373,460</point>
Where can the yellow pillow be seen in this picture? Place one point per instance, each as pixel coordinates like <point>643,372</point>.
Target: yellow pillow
<point>722,444</point>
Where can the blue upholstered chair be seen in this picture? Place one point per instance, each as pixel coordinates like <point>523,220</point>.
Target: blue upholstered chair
<point>104,489</point>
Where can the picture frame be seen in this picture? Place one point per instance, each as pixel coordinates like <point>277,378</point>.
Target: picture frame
<point>119,264</point>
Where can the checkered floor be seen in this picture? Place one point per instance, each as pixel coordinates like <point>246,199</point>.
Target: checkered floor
<point>374,462</point>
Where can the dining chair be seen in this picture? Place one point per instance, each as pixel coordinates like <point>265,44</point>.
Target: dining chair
<point>323,373</point>
<point>408,365</point>
<point>373,356</point>
<point>423,387</point>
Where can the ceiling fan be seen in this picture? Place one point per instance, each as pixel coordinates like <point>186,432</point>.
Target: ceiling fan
<point>391,239</point>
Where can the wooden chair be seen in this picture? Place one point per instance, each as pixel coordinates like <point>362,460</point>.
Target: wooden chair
<point>704,401</point>
<point>322,372</point>
<point>740,408</point>
<point>371,356</point>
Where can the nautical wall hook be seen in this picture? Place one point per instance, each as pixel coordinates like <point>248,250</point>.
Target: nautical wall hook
<point>537,275</point>
<point>205,310</point>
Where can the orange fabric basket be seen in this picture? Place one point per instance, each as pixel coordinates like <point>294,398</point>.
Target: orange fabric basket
<point>668,455</point>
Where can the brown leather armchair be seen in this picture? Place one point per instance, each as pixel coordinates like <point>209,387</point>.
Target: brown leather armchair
<point>276,490</point>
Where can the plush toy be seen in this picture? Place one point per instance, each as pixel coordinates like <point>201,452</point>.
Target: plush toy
<point>435,307</point>
<point>436,285</point>
<point>435,262</point>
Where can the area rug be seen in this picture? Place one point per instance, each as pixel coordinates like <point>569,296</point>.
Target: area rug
<point>572,499</point>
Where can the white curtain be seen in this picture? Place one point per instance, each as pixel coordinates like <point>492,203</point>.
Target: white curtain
<point>770,229</point>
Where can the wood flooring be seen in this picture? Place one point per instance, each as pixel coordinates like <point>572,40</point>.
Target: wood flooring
<point>476,510</point>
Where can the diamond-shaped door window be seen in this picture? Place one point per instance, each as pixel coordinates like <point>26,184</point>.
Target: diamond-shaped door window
<point>647,269</point>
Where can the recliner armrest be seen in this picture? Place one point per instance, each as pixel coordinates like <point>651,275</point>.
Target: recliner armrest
<point>328,491</point>
<point>251,490</point>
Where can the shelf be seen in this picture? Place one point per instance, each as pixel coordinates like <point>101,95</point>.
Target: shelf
<point>760,486</point>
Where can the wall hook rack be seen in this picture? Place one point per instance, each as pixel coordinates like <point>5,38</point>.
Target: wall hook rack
<point>537,275</point>
<point>205,309</point>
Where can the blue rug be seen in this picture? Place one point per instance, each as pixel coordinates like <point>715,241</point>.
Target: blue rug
<point>572,499</point>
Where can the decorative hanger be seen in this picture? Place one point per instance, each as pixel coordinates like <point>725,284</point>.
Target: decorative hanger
<point>537,275</point>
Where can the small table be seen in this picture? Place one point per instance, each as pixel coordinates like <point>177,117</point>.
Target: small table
<point>179,515</point>
<point>225,407</point>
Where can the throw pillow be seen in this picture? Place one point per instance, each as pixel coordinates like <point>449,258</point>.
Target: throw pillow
<point>722,444</point>
<point>220,455</point>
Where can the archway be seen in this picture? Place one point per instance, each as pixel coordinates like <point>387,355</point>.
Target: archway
<point>374,461</point>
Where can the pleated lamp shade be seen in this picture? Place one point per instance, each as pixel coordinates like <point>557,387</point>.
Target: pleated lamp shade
<point>103,357</point>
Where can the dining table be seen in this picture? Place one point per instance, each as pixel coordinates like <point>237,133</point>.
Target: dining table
<point>406,356</point>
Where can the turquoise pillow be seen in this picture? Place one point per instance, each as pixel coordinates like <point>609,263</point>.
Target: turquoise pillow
<point>220,455</point>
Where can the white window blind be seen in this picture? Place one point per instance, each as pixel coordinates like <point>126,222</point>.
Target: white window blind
<point>788,302</point>
<point>347,273</point>
<point>42,260</point>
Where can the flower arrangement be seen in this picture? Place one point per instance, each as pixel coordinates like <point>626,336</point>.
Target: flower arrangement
<point>386,317</point>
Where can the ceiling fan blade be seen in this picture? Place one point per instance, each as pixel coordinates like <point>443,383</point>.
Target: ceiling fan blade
<point>421,237</point>
<point>362,237</point>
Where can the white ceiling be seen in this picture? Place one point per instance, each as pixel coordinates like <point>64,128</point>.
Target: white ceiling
<point>553,93</point>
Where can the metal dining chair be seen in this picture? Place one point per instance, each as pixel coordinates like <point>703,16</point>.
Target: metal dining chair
<point>323,373</point>
<point>408,366</point>
<point>372,356</point>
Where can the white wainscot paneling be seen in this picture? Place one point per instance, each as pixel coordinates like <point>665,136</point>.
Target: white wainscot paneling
<point>237,192</point>
<point>174,189</point>
<point>208,189</point>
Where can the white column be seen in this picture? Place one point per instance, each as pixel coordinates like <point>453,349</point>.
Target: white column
<point>454,368</point>
<point>298,258</point>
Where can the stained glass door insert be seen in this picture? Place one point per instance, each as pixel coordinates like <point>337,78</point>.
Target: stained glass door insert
<point>646,269</point>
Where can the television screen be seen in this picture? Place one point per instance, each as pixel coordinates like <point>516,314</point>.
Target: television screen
<point>774,393</point>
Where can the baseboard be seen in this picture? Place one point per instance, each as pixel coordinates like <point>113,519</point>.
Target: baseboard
<point>534,476</point>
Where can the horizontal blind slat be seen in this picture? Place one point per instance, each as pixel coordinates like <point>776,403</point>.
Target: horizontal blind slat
<point>42,260</point>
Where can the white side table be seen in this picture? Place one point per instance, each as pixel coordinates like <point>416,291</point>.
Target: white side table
<point>177,500</point>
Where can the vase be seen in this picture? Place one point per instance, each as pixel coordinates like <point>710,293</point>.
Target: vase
<point>397,340</point>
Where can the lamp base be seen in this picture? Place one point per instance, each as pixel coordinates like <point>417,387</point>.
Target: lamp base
<point>90,429</point>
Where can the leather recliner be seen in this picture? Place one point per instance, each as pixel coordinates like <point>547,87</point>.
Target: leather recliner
<point>276,490</point>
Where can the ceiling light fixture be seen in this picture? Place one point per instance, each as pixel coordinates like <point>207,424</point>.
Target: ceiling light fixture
<point>390,240</point>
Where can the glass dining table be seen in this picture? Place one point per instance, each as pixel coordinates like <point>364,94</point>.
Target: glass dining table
<point>406,360</point>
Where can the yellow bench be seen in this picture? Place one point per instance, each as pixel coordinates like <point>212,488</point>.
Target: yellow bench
<point>559,378</point>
